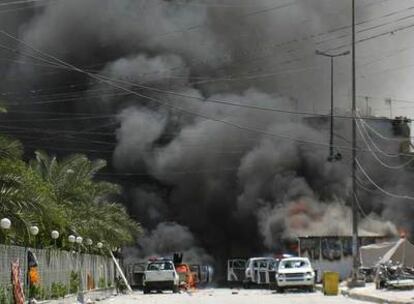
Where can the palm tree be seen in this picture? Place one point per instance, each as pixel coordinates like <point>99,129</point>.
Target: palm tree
<point>85,200</point>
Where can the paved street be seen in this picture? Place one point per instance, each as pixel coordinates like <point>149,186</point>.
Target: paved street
<point>228,296</point>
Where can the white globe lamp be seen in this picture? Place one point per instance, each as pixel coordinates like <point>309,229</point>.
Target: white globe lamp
<point>34,230</point>
<point>5,223</point>
<point>54,234</point>
<point>71,239</point>
<point>79,240</point>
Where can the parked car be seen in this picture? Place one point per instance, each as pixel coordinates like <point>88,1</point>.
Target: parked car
<point>160,275</point>
<point>257,271</point>
<point>236,271</point>
<point>295,273</point>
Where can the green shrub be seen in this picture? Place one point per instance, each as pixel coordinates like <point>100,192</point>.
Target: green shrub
<point>6,295</point>
<point>34,292</point>
<point>101,282</point>
<point>58,290</point>
<point>74,282</point>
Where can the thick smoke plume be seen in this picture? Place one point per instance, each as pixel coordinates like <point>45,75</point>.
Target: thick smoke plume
<point>208,179</point>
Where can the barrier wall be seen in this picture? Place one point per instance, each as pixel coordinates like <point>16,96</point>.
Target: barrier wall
<point>61,272</point>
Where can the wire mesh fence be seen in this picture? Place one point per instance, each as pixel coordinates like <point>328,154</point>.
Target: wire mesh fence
<point>60,272</point>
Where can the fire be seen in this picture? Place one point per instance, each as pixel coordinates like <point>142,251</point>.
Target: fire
<point>299,212</point>
<point>403,232</point>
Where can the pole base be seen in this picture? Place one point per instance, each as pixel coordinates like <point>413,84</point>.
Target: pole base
<point>355,283</point>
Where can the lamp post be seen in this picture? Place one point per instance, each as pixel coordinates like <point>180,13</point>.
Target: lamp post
<point>34,230</point>
<point>5,224</point>
<point>54,235</point>
<point>89,242</point>
<point>72,240</point>
<point>79,241</point>
<point>332,156</point>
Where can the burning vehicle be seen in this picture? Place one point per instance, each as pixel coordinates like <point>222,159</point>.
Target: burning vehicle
<point>187,278</point>
<point>203,272</point>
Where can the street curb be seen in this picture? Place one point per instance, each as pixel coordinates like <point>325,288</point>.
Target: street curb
<point>73,297</point>
<point>372,299</point>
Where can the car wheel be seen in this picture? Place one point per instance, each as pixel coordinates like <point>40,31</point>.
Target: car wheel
<point>246,284</point>
<point>311,289</point>
<point>280,289</point>
<point>146,290</point>
<point>175,289</point>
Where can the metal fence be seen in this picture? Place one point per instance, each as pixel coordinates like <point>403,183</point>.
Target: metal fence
<point>61,272</point>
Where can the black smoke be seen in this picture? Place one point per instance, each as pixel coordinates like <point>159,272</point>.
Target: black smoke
<point>212,180</point>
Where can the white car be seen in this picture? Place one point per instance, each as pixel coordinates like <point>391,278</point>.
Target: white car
<point>160,275</point>
<point>295,273</point>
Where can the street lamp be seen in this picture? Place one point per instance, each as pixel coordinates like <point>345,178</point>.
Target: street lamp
<point>5,224</point>
<point>79,240</point>
<point>72,240</point>
<point>89,243</point>
<point>34,230</point>
<point>54,235</point>
<point>332,156</point>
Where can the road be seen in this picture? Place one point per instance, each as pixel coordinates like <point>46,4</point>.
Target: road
<point>229,296</point>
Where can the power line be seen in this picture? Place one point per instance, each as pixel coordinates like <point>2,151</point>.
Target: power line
<point>363,213</point>
<point>376,156</point>
<point>169,92</point>
<point>375,145</point>
<point>380,188</point>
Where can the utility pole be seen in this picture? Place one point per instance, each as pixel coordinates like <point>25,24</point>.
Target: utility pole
<point>332,156</point>
<point>355,250</point>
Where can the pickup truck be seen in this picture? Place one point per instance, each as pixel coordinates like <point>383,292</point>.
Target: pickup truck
<point>160,275</point>
<point>295,273</point>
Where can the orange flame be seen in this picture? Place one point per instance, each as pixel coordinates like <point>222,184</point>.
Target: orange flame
<point>403,232</point>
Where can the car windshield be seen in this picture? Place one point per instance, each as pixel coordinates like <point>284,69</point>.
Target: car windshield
<point>261,263</point>
<point>160,266</point>
<point>239,264</point>
<point>293,264</point>
<point>273,265</point>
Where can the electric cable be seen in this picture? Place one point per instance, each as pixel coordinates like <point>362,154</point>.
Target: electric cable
<point>376,156</point>
<point>390,194</point>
